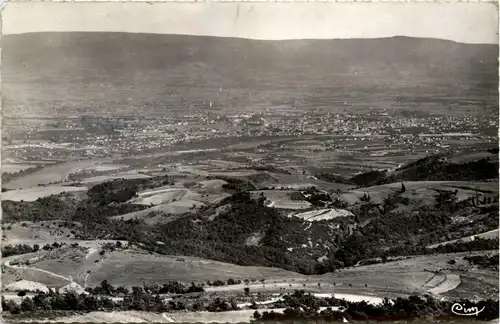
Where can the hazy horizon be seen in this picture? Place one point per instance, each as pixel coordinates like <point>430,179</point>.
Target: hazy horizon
<point>470,23</point>
<point>247,38</point>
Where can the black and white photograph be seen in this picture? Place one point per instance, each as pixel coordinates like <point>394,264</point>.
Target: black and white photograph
<point>249,162</point>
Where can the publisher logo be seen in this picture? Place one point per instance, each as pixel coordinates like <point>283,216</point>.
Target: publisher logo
<point>459,309</point>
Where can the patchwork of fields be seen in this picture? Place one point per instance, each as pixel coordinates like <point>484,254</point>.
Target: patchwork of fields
<point>210,188</point>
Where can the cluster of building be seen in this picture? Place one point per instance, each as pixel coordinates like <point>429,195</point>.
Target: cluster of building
<point>93,137</point>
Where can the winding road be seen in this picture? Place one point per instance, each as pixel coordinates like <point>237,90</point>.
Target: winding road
<point>450,282</point>
<point>441,283</point>
<point>8,265</point>
<point>92,246</point>
<point>167,318</point>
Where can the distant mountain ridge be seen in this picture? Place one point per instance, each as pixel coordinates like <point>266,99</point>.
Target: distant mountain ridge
<point>173,71</point>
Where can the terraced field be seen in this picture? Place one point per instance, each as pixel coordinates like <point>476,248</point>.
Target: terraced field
<point>422,190</point>
<point>32,194</point>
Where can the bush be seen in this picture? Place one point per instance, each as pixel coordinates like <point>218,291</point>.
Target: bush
<point>9,250</point>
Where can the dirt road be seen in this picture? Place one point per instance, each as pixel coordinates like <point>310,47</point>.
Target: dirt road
<point>8,265</point>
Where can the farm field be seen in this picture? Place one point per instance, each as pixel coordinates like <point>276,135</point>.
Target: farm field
<point>92,181</point>
<point>32,194</point>
<point>418,275</point>
<point>55,268</point>
<point>422,190</point>
<point>162,213</point>
<point>296,182</point>
<point>43,232</point>
<point>131,268</point>
<point>282,199</point>
<point>159,197</point>
<point>473,156</point>
<point>486,235</point>
<point>413,275</point>
<point>241,316</point>
<point>58,172</point>
<point>16,167</point>
<point>323,214</point>
<point>188,188</point>
<point>189,197</point>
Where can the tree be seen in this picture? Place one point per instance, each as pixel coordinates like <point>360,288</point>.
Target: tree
<point>446,199</point>
<point>384,256</point>
<point>41,301</point>
<point>219,305</point>
<point>254,305</point>
<point>107,288</point>
<point>403,188</point>
<point>10,306</point>
<point>234,305</point>
<point>73,301</point>
<point>138,304</point>
<point>198,306</point>
<point>194,288</point>
<point>218,283</point>
<point>27,305</point>
<point>365,198</point>
<point>122,290</point>
<point>247,291</point>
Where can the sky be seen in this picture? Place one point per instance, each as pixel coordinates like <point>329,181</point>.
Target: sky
<point>461,22</point>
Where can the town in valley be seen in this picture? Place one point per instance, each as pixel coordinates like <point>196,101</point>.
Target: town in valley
<point>189,178</point>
